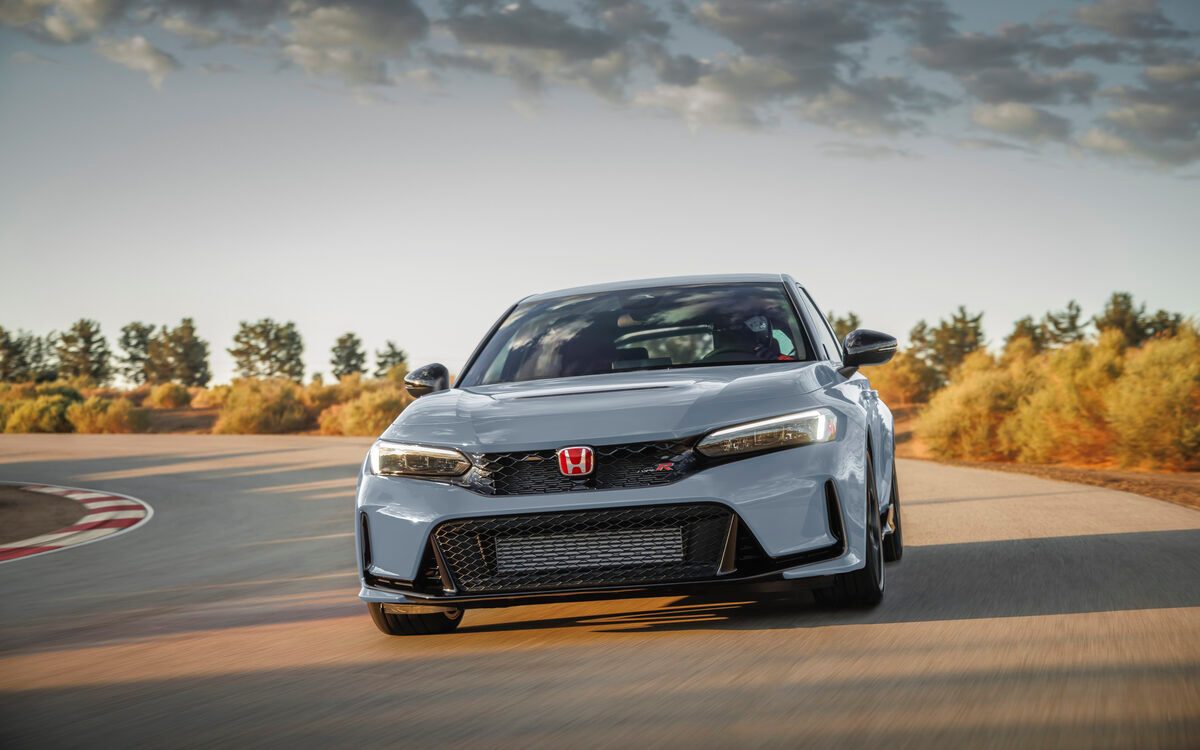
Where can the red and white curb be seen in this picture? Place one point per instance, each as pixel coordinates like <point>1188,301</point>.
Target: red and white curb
<point>106,515</point>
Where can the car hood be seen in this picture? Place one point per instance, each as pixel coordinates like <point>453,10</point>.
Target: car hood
<point>610,408</point>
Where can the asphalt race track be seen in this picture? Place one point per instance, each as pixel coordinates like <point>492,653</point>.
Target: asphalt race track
<point>1025,613</point>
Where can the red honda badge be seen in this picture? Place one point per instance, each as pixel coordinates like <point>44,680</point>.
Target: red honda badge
<point>576,461</point>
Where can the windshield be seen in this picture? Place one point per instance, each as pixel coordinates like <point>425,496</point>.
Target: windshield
<point>642,329</point>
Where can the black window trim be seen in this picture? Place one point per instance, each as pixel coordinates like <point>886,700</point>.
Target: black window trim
<point>821,321</point>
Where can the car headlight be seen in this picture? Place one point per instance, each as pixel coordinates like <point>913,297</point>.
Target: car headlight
<point>801,428</point>
<point>390,459</point>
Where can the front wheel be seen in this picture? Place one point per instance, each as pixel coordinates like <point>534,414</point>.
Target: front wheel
<point>863,587</point>
<point>425,624</point>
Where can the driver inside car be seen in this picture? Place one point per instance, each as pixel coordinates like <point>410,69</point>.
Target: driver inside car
<point>749,339</point>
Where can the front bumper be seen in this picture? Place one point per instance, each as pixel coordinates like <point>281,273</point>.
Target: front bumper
<point>794,517</point>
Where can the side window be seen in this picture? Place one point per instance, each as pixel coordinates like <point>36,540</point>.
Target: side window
<point>823,334</point>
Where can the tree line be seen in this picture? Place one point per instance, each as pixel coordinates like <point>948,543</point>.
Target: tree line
<point>269,349</point>
<point>936,350</point>
<point>149,354</point>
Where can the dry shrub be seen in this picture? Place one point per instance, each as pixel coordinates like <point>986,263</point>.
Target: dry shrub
<point>1154,408</point>
<point>904,381</point>
<point>966,418</point>
<point>263,407</point>
<point>212,397</point>
<point>46,413</point>
<point>1063,416</point>
<point>1090,402</point>
<point>318,397</point>
<point>168,396</point>
<point>370,413</point>
<point>102,415</point>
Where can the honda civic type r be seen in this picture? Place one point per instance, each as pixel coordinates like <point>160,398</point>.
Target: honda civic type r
<point>639,438</point>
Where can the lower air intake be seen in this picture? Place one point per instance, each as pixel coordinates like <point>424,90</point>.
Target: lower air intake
<point>611,547</point>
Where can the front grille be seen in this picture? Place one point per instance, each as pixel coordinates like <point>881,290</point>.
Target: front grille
<point>616,466</point>
<point>611,547</point>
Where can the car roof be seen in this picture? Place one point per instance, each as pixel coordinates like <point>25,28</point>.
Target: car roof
<point>722,278</point>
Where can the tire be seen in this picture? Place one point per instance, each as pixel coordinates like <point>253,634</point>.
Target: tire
<point>862,587</point>
<point>430,624</point>
<point>893,544</point>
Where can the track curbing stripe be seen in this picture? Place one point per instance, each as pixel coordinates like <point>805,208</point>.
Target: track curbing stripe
<point>106,514</point>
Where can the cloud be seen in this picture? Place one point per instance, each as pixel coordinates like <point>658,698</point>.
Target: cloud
<point>527,26</point>
<point>25,57</point>
<point>1130,19</point>
<point>873,106</point>
<point>1020,85</point>
<point>354,39</point>
<point>533,45</point>
<point>200,36</point>
<point>866,151</point>
<point>1157,122</point>
<point>1020,120</point>
<point>991,144</point>
<point>63,21</point>
<point>864,68</point>
<point>140,55</point>
<point>1177,72</point>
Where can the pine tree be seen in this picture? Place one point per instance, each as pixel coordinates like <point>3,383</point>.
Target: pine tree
<point>266,349</point>
<point>135,345</point>
<point>843,326</point>
<point>1027,328</point>
<point>349,357</point>
<point>945,346</point>
<point>1122,314</point>
<point>83,352</point>
<point>388,358</point>
<point>1064,327</point>
<point>14,367</point>
<point>178,355</point>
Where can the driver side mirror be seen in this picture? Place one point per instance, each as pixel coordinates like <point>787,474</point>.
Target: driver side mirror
<point>866,347</point>
<point>428,379</point>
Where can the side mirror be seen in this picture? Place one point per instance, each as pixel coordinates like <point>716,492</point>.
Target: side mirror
<point>426,380</point>
<point>864,347</point>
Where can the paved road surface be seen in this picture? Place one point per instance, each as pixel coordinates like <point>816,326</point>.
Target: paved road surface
<point>1025,613</point>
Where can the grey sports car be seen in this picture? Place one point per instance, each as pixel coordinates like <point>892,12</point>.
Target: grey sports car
<point>639,438</point>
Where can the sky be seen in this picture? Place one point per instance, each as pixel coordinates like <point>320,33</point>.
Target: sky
<point>407,170</point>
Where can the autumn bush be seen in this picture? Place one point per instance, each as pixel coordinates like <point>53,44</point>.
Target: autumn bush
<point>1062,417</point>
<point>904,381</point>
<point>965,419</point>
<point>1154,407</point>
<point>102,415</point>
<point>168,396</point>
<point>369,413</point>
<point>269,406</point>
<point>1089,402</point>
<point>46,413</point>
<point>212,397</point>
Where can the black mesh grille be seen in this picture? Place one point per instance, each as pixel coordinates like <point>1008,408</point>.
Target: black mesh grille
<point>584,548</point>
<point>536,472</point>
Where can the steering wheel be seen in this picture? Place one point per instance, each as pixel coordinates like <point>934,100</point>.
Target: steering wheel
<point>730,350</point>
